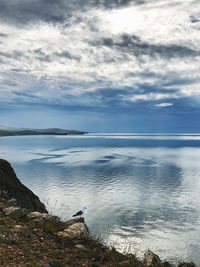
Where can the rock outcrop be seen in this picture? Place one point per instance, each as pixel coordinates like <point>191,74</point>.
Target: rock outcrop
<point>151,259</point>
<point>76,230</point>
<point>186,264</point>
<point>11,187</point>
<point>73,229</point>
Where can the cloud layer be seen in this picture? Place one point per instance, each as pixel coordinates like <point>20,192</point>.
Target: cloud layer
<point>100,54</point>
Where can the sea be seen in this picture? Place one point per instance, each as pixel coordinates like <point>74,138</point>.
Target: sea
<point>142,191</point>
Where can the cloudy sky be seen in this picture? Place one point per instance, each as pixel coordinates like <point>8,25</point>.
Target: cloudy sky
<point>100,65</point>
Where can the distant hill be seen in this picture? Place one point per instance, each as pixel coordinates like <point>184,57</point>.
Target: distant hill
<point>9,131</point>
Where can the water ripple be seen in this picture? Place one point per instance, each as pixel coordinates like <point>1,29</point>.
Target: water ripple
<point>139,194</point>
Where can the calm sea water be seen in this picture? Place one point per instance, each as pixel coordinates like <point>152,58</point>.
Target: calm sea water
<point>142,192</point>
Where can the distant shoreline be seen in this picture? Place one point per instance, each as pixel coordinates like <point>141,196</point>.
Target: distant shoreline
<point>7,135</point>
<point>25,132</point>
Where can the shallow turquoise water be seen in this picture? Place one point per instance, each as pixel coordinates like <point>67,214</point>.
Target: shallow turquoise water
<point>141,191</point>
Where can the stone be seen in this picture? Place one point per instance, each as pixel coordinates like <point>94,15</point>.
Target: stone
<point>34,215</point>
<point>81,247</point>
<point>11,187</point>
<point>63,234</point>
<point>53,219</point>
<point>66,224</point>
<point>18,228</point>
<point>74,231</point>
<point>4,195</point>
<point>42,218</point>
<point>12,202</point>
<point>186,264</point>
<point>151,259</point>
<point>77,230</point>
<point>15,212</point>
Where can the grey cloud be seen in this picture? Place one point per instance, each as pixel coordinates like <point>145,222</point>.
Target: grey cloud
<point>41,55</point>
<point>67,54</point>
<point>39,51</point>
<point>22,11</point>
<point>20,70</point>
<point>113,97</point>
<point>116,3</point>
<point>3,35</point>
<point>132,44</point>
<point>169,79</point>
<point>195,18</point>
<point>8,83</point>
<point>23,94</point>
<point>45,58</point>
<point>4,54</point>
<point>14,54</point>
<point>2,61</point>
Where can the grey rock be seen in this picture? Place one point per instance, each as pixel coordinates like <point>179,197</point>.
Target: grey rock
<point>42,218</point>
<point>15,212</point>
<point>36,216</point>
<point>19,228</point>
<point>81,247</point>
<point>77,230</point>
<point>4,194</point>
<point>63,234</point>
<point>151,259</point>
<point>12,202</point>
<point>71,222</point>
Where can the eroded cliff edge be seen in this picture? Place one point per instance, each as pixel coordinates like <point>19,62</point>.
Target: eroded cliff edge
<point>11,185</point>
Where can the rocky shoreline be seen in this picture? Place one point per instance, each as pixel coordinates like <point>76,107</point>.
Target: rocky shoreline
<point>29,236</point>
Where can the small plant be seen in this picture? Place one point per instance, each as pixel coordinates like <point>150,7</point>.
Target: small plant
<point>59,252</point>
<point>95,264</point>
<point>16,218</point>
<point>56,263</point>
<point>49,227</point>
<point>31,225</point>
<point>3,221</point>
<point>31,251</point>
<point>79,254</point>
<point>4,240</point>
<point>3,229</point>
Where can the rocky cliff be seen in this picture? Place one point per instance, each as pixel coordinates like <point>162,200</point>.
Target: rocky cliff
<point>13,188</point>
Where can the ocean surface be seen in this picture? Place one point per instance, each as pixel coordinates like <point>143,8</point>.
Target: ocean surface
<point>141,191</point>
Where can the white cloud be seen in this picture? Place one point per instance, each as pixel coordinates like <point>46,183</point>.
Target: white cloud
<point>51,61</point>
<point>164,105</point>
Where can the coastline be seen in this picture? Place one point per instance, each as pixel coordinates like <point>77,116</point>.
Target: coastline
<point>33,134</point>
<point>9,131</point>
<point>53,242</point>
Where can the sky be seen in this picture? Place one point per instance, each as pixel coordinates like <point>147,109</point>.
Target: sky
<point>100,65</point>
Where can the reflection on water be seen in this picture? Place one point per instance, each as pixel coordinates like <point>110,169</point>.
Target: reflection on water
<point>141,191</point>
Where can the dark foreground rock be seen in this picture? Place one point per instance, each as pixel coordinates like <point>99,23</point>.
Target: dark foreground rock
<point>11,187</point>
<point>186,264</point>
